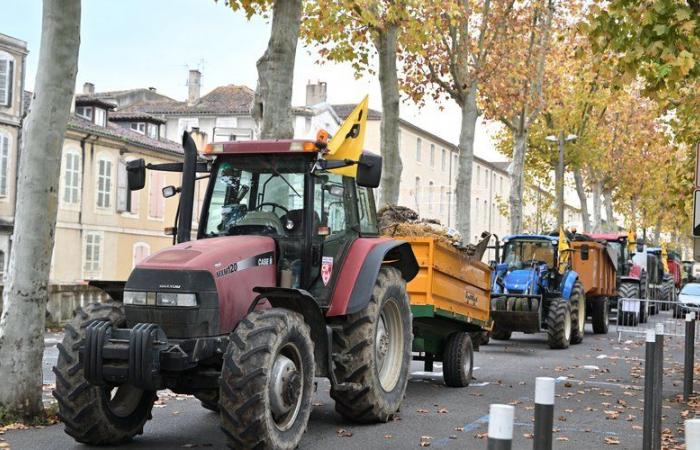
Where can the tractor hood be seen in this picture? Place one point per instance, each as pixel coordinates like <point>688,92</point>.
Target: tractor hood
<point>222,272</point>
<point>518,281</point>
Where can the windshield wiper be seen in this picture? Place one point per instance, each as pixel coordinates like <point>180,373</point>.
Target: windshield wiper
<point>277,174</point>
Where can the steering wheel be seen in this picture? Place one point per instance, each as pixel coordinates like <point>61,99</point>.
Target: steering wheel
<point>273,205</point>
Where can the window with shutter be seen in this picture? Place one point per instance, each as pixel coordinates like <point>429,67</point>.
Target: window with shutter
<point>156,201</point>
<point>6,76</point>
<point>141,250</point>
<point>4,158</point>
<point>71,178</point>
<point>123,198</point>
<point>93,252</point>
<point>104,183</point>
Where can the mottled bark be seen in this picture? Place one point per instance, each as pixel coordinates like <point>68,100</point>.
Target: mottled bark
<point>25,293</point>
<point>581,191</point>
<point>273,97</point>
<point>386,43</point>
<point>470,114</point>
<point>609,215</point>
<point>597,207</point>
<point>559,180</point>
<point>517,177</point>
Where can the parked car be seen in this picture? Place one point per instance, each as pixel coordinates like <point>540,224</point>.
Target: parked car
<point>688,300</point>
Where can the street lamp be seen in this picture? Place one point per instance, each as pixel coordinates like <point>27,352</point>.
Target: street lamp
<point>559,174</point>
<point>553,138</point>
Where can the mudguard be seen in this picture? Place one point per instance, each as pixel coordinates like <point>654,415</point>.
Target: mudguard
<point>567,284</point>
<point>360,269</point>
<point>630,279</point>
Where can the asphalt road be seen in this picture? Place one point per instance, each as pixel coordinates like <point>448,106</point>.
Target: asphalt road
<point>599,398</point>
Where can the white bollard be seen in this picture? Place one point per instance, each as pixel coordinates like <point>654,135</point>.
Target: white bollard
<point>501,427</point>
<point>544,412</point>
<point>692,434</point>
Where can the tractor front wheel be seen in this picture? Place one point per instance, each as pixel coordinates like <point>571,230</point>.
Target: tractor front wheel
<point>373,348</point>
<point>578,312</point>
<point>267,381</point>
<point>96,415</point>
<point>559,324</point>
<point>208,399</point>
<point>600,319</point>
<point>458,360</point>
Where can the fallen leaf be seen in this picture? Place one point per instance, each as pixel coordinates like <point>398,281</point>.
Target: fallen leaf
<point>562,438</point>
<point>611,440</point>
<point>422,411</point>
<point>528,435</point>
<point>342,432</point>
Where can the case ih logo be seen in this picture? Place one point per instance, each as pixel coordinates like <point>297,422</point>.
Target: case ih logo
<point>265,259</point>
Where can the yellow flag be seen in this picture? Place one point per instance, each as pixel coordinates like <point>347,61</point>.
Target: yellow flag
<point>632,241</point>
<point>348,142</point>
<point>664,257</point>
<point>563,250</point>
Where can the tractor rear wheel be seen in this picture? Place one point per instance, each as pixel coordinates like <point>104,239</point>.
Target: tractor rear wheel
<point>500,334</point>
<point>600,319</point>
<point>667,293</point>
<point>578,312</point>
<point>559,324</point>
<point>373,353</point>
<point>267,381</point>
<point>96,415</point>
<point>458,360</point>
<point>631,290</point>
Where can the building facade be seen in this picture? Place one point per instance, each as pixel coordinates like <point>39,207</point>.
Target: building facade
<point>13,54</point>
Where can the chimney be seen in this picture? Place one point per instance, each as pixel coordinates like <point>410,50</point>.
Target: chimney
<point>194,84</point>
<point>88,89</point>
<point>315,93</point>
<point>152,89</point>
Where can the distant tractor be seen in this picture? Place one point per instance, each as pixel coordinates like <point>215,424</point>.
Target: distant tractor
<point>287,280</point>
<point>534,290</point>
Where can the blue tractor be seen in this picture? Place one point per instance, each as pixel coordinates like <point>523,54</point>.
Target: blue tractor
<point>531,293</point>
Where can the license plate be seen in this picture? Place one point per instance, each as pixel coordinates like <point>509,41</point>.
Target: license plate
<point>630,305</point>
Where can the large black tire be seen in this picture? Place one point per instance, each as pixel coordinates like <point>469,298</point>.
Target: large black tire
<point>559,324</point>
<point>666,293</point>
<point>630,289</point>
<point>208,399</point>
<point>261,347</point>
<point>678,312</point>
<point>500,334</point>
<point>372,361</point>
<point>599,317</point>
<point>92,414</point>
<point>578,312</point>
<point>458,360</point>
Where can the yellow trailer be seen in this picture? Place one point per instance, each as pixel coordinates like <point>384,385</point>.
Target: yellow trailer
<point>450,305</point>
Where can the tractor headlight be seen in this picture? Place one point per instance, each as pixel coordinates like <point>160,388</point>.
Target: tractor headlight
<point>176,299</point>
<point>135,298</point>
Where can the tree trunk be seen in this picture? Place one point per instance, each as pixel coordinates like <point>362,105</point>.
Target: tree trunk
<point>609,216</point>
<point>25,293</point>
<point>559,181</point>
<point>470,113</point>
<point>597,207</point>
<point>386,43</point>
<point>657,231</point>
<point>581,191</point>
<point>517,177</point>
<point>273,97</point>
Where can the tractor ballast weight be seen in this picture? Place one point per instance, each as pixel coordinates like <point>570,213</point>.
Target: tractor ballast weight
<point>287,280</point>
<point>530,295</point>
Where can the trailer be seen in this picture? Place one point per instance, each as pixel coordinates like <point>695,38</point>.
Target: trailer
<point>596,265</point>
<point>449,300</point>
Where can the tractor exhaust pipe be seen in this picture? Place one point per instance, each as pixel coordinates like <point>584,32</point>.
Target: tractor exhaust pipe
<point>189,173</point>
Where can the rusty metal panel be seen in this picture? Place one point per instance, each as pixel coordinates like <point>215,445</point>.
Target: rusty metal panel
<point>597,273</point>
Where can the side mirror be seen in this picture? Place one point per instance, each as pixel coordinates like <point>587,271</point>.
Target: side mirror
<point>585,252</point>
<point>169,191</point>
<point>136,174</point>
<point>334,190</point>
<point>369,170</point>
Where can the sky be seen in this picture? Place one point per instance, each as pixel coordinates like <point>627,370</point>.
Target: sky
<point>135,43</point>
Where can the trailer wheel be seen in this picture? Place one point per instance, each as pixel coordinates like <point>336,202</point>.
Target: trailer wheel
<point>631,290</point>
<point>208,399</point>
<point>559,324</point>
<point>600,318</point>
<point>267,381</point>
<point>458,360</point>
<point>578,313</point>
<point>373,349</point>
<point>500,334</point>
<point>96,415</point>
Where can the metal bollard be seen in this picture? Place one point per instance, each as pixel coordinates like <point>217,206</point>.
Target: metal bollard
<point>501,427</point>
<point>658,386</point>
<point>692,434</point>
<point>544,412</point>
<point>689,356</point>
<point>649,373</point>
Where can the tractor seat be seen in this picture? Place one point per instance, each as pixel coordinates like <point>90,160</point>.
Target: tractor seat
<point>258,220</point>
<point>293,221</point>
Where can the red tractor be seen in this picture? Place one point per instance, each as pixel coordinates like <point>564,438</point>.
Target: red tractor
<point>287,280</point>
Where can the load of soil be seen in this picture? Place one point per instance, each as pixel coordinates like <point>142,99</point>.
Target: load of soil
<point>403,221</point>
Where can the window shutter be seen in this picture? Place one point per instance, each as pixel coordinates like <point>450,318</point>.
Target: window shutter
<point>159,195</point>
<point>122,190</point>
<point>11,65</point>
<point>4,66</point>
